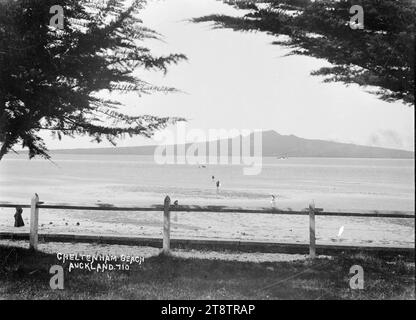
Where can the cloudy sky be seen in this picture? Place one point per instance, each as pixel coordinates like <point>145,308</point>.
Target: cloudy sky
<point>239,80</point>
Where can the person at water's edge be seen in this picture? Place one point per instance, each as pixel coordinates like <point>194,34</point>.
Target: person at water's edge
<point>18,220</point>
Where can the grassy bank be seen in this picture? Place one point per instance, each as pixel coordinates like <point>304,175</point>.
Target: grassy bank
<point>25,275</point>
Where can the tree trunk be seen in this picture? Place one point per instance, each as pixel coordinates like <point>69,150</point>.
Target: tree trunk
<point>4,149</point>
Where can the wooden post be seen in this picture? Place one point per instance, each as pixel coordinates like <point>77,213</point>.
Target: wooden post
<point>312,249</point>
<point>166,226</point>
<point>34,219</point>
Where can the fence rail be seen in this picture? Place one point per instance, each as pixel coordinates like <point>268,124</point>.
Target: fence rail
<point>218,209</point>
<point>167,208</point>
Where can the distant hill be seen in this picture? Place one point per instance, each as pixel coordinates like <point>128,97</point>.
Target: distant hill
<point>275,145</point>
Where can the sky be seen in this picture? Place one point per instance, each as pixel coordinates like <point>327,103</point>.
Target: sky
<point>239,80</point>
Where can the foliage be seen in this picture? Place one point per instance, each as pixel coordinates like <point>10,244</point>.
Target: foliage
<point>50,77</point>
<point>381,55</point>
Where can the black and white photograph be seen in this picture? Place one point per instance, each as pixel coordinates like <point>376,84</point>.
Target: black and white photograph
<point>207,154</point>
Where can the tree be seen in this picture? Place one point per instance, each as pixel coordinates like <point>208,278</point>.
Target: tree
<point>379,57</point>
<point>50,77</point>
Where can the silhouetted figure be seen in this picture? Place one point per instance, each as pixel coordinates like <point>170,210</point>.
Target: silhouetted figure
<point>212,178</point>
<point>18,220</point>
<point>218,185</point>
<point>273,202</point>
<point>175,217</point>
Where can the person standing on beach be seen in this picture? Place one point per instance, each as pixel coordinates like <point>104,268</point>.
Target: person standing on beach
<point>273,202</point>
<point>18,220</point>
<point>218,185</point>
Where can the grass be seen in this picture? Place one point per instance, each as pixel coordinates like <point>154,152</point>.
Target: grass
<point>25,275</point>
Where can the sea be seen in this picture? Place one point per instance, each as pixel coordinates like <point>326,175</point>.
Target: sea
<point>332,183</point>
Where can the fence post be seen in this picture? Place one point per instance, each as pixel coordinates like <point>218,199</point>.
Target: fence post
<point>312,249</point>
<point>166,226</point>
<point>34,219</point>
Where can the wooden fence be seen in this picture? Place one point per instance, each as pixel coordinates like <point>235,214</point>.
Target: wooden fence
<point>167,208</point>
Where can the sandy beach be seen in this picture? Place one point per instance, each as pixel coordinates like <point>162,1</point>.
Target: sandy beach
<point>271,228</point>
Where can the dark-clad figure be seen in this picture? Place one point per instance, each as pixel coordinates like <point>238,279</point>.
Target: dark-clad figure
<point>18,220</point>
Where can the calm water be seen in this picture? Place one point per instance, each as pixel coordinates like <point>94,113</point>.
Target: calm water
<point>334,184</point>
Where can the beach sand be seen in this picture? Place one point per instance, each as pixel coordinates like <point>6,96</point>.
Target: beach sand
<point>364,231</point>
